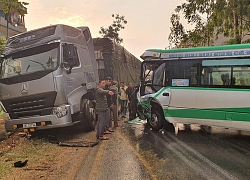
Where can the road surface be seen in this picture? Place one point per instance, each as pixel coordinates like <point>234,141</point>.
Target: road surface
<point>134,151</point>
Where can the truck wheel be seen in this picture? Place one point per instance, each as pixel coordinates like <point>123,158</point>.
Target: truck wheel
<point>87,115</point>
<point>156,121</point>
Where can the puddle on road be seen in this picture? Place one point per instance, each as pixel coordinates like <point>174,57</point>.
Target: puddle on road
<point>149,144</point>
<point>156,156</point>
<point>162,152</point>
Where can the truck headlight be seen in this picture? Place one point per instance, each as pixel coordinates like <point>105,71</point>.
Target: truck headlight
<point>60,111</point>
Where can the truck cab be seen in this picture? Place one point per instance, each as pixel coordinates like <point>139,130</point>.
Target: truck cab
<point>48,77</point>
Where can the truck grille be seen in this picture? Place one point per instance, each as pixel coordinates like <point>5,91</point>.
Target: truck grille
<point>34,105</point>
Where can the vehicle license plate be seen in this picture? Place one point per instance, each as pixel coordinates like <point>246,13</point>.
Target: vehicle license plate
<point>30,125</point>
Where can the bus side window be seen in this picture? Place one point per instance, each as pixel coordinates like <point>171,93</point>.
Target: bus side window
<point>217,76</point>
<point>241,75</point>
<point>225,79</point>
<point>200,77</point>
<point>233,81</point>
<point>184,71</point>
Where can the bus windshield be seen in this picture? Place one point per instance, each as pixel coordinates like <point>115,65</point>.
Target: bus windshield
<point>32,60</point>
<point>154,76</point>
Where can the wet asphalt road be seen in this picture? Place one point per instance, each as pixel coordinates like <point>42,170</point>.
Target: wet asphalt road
<point>113,159</point>
<point>134,151</point>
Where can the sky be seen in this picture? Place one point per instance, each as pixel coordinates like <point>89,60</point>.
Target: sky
<point>148,20</point>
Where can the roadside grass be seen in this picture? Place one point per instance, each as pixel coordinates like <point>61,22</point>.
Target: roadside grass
<point>1,113</point>
<point>3,133</point>
<point>38,152</point>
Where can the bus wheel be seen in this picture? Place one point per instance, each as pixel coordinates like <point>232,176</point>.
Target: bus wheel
<point>156,121</point>
<point>87,115</point>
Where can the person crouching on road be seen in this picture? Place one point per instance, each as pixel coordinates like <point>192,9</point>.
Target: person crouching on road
<point>108,82</point>
<point>102,109</point>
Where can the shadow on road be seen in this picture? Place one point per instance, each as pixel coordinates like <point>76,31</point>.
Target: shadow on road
<point>58,135</point>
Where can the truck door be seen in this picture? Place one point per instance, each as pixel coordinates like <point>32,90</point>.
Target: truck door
<point>74,76</point>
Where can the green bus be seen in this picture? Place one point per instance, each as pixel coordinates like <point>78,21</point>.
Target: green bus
<point>202,85</point>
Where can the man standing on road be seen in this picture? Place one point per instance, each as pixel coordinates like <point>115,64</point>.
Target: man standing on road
<point>102,109</point>
<point>134,103</point>
<point>108,82</point>
<point>114,110</point>
<point>129,93</point>
<point>123,99</point>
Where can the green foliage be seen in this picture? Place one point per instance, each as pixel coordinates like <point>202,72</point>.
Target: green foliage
<point>2,114</point>
<point>246,41</point>
<point>197,13</point>
<point>211,18</point>
<point>231,17</point>
<point>177,30</point>
<point>9,6</point>
<point>112,31</point>
<point>230,42</point>
<point>2,44</point>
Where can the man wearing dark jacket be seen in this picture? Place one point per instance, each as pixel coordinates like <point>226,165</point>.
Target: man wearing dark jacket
<point>102,109</point>
<point>108,82</point>
<point>129,93</point>
<point>114,100</point>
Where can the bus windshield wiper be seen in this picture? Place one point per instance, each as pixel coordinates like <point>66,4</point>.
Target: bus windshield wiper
<point>39,63</point>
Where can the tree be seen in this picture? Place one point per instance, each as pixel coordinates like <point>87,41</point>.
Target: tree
<point>177,31</point>
<point>9,6</point>
<point>181,38</point>
<point>231,17</point>
<point>197,13</point>
<point>112,31</point>
<point>213,17</point>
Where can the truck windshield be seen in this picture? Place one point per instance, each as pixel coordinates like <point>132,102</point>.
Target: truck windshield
<point>35,59</point>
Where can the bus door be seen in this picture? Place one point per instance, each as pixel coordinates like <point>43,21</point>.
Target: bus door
<point>160,81</point>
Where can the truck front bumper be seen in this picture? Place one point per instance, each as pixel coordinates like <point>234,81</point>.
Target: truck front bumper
<point>41,122</point>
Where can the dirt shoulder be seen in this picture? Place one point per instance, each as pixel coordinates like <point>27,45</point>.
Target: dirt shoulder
<point>46,160</point>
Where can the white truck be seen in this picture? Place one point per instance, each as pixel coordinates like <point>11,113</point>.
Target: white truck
<point>47,79</point>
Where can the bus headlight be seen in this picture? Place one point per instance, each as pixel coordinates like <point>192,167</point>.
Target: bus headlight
<point>60,111</point>
<point>144,99</point>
